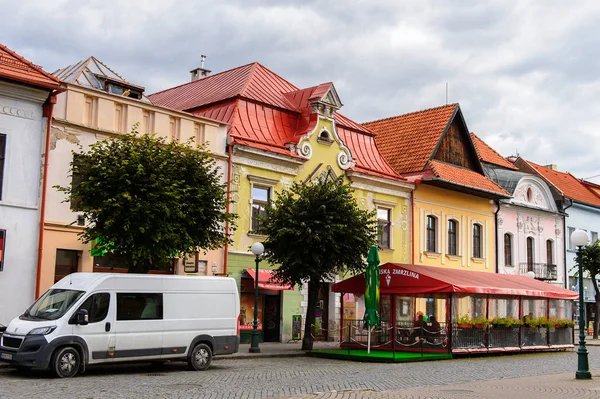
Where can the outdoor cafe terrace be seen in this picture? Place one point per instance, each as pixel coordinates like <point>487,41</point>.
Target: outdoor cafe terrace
<point>440,310</point>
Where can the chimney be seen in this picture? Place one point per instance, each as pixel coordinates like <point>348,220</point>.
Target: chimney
<point>551,166</point>
<point>199,73</point>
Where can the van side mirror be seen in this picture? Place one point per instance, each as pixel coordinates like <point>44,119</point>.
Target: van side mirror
<point>82,317</point>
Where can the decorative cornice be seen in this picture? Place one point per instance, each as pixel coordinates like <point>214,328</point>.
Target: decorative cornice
<point>21,92</point>
<point>381,190</point>
<point>17,112</point>
<point>358,177</point>
<point>266,160</point>
<point>262,180</point>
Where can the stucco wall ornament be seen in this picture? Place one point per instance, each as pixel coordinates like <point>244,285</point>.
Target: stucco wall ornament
<point>305,150</point>
<point>344,159</point>
<point>17,112</point>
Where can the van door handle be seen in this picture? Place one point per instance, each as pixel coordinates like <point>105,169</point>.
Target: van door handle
<point>107,327</point>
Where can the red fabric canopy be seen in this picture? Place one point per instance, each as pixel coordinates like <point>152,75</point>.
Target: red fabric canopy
<point>404,279</point>
<point>266,282</point>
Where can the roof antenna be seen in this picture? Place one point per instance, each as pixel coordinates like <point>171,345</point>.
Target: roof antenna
<point>446,93</point>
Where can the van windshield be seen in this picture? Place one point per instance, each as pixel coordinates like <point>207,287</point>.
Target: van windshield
<point>52,305</point>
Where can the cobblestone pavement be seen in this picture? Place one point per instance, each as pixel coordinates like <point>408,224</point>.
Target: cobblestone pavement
<point>547,375</point>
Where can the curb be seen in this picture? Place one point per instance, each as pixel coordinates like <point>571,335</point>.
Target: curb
<point>260,355</point>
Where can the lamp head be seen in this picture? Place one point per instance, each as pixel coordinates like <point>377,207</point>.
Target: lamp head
<point>530,274</point>
<point>257,248</point>
<point>580,238</point>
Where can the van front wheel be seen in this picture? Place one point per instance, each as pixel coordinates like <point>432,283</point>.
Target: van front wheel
<point>200,357</point>
<point>65,362</point>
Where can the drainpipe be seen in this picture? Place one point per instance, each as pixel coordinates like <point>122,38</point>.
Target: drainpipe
<point>229,162</point>
<point>565,244</point>
<point>496,234</point>
<point>48,110</point>
<point>412,216</point>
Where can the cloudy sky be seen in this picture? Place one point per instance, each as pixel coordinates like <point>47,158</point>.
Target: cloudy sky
<point>525,73</point>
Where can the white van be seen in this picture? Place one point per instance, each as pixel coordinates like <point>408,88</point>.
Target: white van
<point>92,318</point>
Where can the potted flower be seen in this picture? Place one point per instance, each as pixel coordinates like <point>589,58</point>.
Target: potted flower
<point>464,321</point>
<point>480,322</point>
<point>504,322</point>
<point>564,323</point>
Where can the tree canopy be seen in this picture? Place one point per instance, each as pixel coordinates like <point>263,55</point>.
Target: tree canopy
<point>315,231</point>
<point>590,255</point>
<point>149,200</point>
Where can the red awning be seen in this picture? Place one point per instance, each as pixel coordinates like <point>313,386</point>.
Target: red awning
<point>266,282</point>
<point>405,279</point>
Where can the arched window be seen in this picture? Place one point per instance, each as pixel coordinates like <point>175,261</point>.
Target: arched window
<point>529,254</point>
<point>508,249</point>
<point>477,241</point>
<point>452,231</point>
<point>549,252</point>
<point>529,194</point>
<point>430,243</point>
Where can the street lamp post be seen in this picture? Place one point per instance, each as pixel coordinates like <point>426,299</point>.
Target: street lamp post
<point>257,249</point>
<point>579,238</point>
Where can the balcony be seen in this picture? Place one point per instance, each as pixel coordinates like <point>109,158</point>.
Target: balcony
<point>543,271</point>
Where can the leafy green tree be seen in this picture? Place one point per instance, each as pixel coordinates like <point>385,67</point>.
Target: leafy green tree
<point>149,200</point>
<point>315,231</point>
<point>591,265</point>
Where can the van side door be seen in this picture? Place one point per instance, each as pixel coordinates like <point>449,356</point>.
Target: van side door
<point>97,332</point>
<point>139,326</point>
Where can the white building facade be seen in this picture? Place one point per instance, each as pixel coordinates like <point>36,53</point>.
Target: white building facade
<point>24,91</point>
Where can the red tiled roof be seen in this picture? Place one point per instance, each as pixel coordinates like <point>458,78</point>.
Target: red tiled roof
<point>252,81</point>
<point>265,111</point>
<point>407,141</point>
<point>488,155</point>
<point>15,67</point>
<point>567,184</point>
<point>464,177</point>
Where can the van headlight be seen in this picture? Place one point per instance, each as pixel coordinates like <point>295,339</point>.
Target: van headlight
<point>42,330</point>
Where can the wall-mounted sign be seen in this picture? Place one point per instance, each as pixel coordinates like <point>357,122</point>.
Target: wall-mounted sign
<point>202,265</point>
<point>2,245</point>
<point>189,263</point>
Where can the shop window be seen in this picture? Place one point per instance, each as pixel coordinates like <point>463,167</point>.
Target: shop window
<point>477,241</point>
<point>2,247</point>
<point>139,306</point>
<point>430,241</point>
<point>508,249</point>
<point>452,237</point>
<point>261,196</point>
<point>67,262</point>
<point>384,227</point>
<point>2,157</point>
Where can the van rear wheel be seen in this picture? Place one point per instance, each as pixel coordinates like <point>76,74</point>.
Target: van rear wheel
<point>200,357</point>
<point>65,362</point>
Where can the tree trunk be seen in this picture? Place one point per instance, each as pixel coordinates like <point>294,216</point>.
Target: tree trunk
<point>311,312</point>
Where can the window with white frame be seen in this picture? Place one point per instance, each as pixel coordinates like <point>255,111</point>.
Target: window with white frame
<point>594,237</point>
<point>452,237</point>
<point>549,252</point>
<point>261,196</point>
<point>530,247</point>
<point>508,249</point>
<point>430,235</point>
<point>571,231</point>
<point>384,224</point>
<point>477,238</point>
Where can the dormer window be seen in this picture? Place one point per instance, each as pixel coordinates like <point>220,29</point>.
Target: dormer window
<point>325,138</point>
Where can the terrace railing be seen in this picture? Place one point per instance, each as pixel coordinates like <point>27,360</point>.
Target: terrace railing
<point>542,271</point>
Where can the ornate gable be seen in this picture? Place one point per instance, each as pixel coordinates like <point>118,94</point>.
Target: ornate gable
<point>325,100</point>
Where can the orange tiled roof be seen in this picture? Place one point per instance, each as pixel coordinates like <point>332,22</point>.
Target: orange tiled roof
<point>407,141</point>
<point>567,184</point>
<point>465,177</point>
<point>265,111</point>
<point>488,155</point>
<point>15,67</point>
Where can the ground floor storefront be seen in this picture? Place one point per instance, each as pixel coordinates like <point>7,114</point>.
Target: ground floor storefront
<point>436,310</point>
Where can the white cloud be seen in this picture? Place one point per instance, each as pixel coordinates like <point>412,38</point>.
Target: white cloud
<point>525,73</point>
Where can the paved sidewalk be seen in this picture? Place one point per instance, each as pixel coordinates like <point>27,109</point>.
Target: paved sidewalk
<point>550,386</point>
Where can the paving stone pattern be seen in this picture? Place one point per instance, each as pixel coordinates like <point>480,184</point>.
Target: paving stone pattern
<point>312,378</point>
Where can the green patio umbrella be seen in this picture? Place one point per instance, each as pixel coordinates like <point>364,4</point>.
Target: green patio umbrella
<point>371,318</point>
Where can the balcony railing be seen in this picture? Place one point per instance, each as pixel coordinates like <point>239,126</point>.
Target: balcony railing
<point>543,271</point>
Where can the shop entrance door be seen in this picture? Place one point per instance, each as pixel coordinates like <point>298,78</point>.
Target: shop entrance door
<point>322,315</point>
<point>272,317</point>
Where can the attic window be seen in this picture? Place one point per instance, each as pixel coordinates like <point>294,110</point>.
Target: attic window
<point>123,91</point>
<point>325,137</point>
<point>529,195</point>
